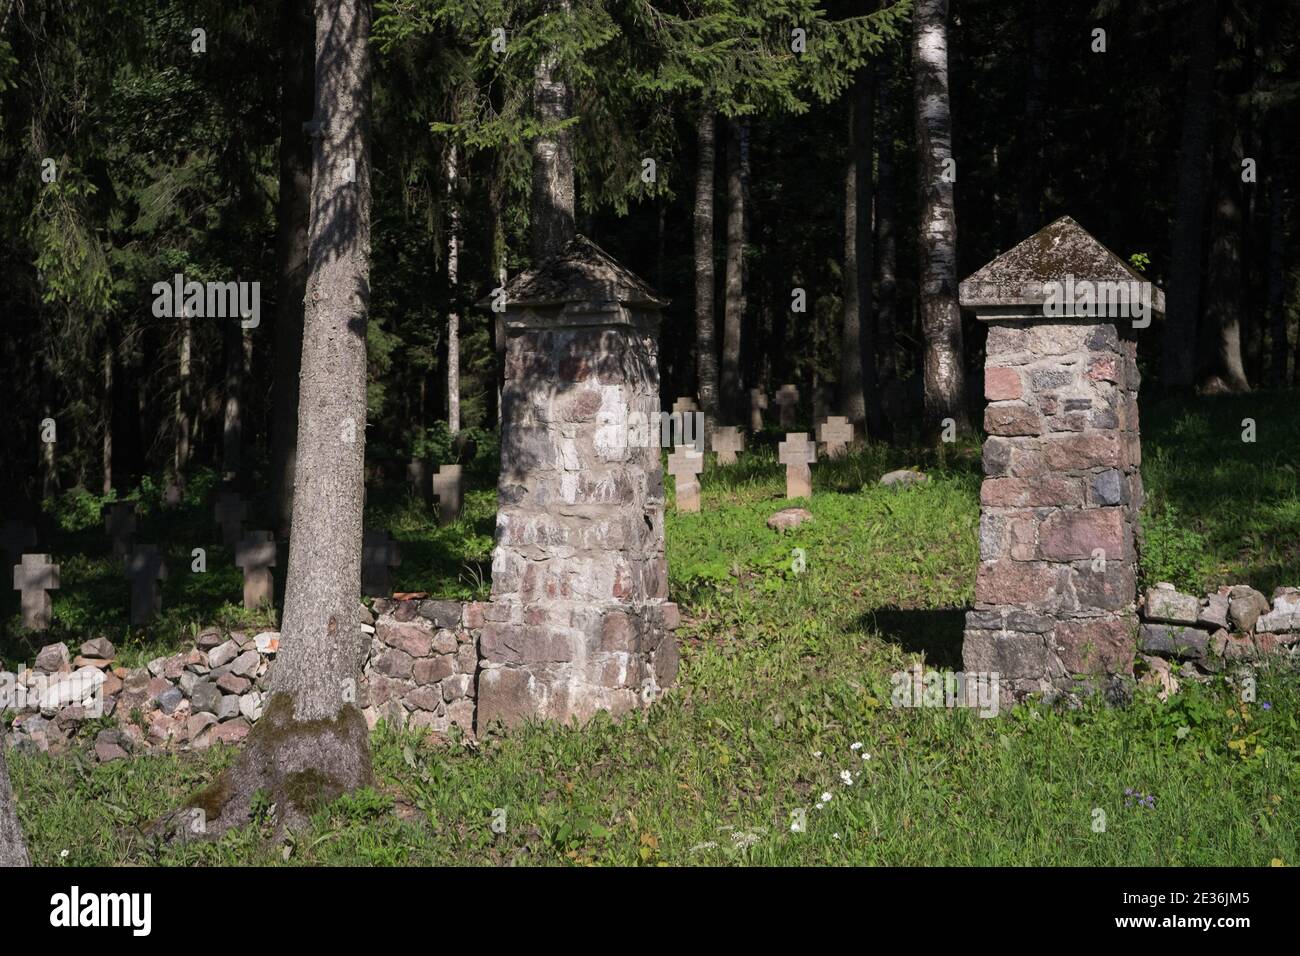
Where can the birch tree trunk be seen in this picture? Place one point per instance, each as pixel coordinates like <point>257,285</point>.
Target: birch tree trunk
<point>293,211</point>
<point>453,277</point>
<point>944,375</point>
<point>552,195</point>
<point>311,743</point>
<point>183,422</point>
<point>886,245</point>
<point>706,355</point>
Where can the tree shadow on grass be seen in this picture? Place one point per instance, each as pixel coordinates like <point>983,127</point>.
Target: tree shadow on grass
<point>935,633</point>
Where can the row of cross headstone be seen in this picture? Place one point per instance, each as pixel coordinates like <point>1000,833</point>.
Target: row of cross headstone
<point>35,575</point>
<point>447,487</point>
<point>797,453</point>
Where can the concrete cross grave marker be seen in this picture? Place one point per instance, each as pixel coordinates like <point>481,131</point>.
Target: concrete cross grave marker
<point>33,577</point>
<point>447,488</point>
<point>757,402</point>
<point>788,399</point>
<point>684,464</point>
<point>17,538</point>
<point>835,433</point>
<point>119,523</point>
<point>727,441</point>
<point>230,512</point>
<point>797,452</point>
<point>255,554</point>
<point>379,555</point>
<point>688,425</point>
<point>145,569</point>
<point>417,477</point>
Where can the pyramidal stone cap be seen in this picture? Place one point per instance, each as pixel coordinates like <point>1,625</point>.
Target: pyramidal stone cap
<point>581,284</point>
<point>1019,283</point>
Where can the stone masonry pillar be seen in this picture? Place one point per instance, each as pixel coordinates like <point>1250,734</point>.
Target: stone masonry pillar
<point>578,620</point>
<point>1056,594</point>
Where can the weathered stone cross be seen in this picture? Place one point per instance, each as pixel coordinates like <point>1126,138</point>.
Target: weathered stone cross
<point>255,554</point>
<point>757,402</point>
<point>379,555</point>
<point>447,487</point>
<point>797,453</point>
<point>835,433</point>
<point>33,577</point>
<point>684,420</point>
<point>145,568</point>
<point>684,464</point>
<point>788,398</point>
<point>417,476</point>
<point>685,404</point>
<point>230,512</point>
<point>727,441</point>
<point>16,538</point>
<point>119,522</point>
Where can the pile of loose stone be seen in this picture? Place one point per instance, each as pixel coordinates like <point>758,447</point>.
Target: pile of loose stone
<point>420,672</point>
<point>212,692</point>
<point>1234,624</point>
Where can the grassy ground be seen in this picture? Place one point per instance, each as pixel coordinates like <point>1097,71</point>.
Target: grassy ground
<point>788,646</point>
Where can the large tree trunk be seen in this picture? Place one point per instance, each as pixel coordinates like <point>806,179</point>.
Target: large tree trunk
<point>453,277</point>
<point>1030,182</point>
<point>311,743</point>
<point>1183,308</point>
<point>857,361</point>
<point>552,196</point>
<point>232,431</point>
<point>886,245</point>
<point>108,407</point>
<point>944,372</point>
<point>184,402</point>
<point>1222,369</point>
<point>293,211</point>
<point>734,302</point>
<point>1275,282</point>
<point>706,354</point>
<point>13,848</point>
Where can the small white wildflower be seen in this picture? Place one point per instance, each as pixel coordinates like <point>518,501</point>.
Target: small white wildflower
<point>835,836</point>
<point>826,797</point>
<point>866,756</point>
<point>817,753</point>
<point>63,854</point>
<point>847,777</point>
<point>856,745</point>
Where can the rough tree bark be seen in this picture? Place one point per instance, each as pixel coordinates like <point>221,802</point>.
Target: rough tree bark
<point>732,398</point>
<point>293,210</point>
<point>107,411</point>
<point>13,848</point>
<point>311,743</point>
<point>453,277</point>
<point>552,194</point>
<point>856,341</point>
<point>1275,283</point>
<point>886,245</point>
<point>944,376</point>
<point>232,431</point>
<point>183,422</point>
<point>706,354</point>
<point>1222,369</point>
<point>1183,306</point>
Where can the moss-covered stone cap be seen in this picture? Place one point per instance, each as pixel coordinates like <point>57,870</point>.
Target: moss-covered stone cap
<point>1020,281</point>
<point>580,272</point>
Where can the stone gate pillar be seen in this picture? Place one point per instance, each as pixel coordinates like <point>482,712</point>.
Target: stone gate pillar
<point>578,620</point>
<point>1055,597</point>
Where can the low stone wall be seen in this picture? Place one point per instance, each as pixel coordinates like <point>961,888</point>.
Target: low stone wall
<point>1205,635</point>
<point>421,671</point>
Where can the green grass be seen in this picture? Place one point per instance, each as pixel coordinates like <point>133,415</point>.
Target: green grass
<point>787,660</point>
